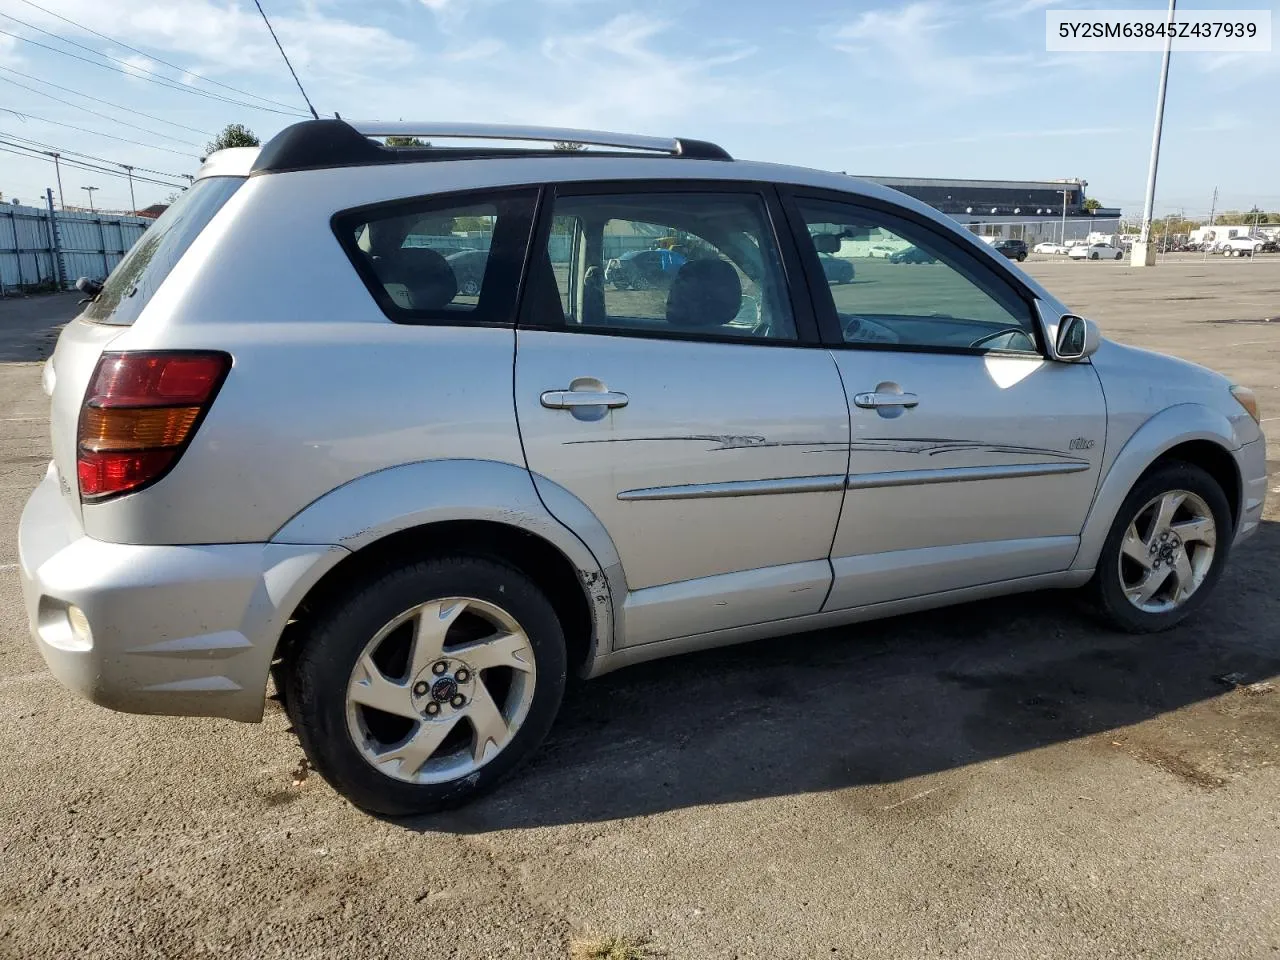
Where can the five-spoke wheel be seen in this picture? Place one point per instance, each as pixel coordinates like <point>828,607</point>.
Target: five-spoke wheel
<point>1165,548</point>
<point>417,689</point>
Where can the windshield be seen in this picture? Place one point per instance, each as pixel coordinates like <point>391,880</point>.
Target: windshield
<point>131,284</point>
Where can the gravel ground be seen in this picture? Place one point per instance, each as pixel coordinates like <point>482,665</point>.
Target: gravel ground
<point>1004,779</point>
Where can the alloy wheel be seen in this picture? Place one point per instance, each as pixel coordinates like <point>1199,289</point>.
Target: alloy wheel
<point>1167,551</point>
<point>440,690</point>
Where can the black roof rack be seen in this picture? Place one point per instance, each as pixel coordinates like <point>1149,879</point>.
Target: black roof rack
<point>316,144</point>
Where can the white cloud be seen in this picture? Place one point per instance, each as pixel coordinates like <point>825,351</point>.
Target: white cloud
<point>138,66</point>
<point>907,43</point>
<point>214,38</point>
<point>480,50</point>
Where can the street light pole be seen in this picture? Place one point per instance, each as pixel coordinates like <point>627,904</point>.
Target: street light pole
<point>90,189</point>
<point>1143,253</point>
<point>1064,218</point>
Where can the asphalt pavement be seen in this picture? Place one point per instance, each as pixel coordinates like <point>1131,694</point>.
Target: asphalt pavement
<point>1001,780</point>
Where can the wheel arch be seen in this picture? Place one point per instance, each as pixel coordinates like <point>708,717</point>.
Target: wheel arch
<point>467,506</point>
<point>1191,433</point>
<point>565,586</point>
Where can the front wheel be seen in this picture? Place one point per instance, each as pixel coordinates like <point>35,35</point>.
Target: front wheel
<point>1119,254</point>
<point>1165,550</point>
<point>420,688</point>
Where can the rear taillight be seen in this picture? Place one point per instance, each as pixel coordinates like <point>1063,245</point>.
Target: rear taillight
<point>140,412</point>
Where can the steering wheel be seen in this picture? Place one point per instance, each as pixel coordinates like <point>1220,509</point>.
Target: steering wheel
<point>1011,333</point>
<point>862,330</point>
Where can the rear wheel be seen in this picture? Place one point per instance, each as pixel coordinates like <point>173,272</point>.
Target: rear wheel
<point>1165,550</point>
<point>422,687</point>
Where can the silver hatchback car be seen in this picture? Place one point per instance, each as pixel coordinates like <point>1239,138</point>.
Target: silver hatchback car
<point>289,438</point>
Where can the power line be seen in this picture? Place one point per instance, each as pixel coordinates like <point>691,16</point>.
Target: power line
<point>139,74</point>
<point>109,103</point>
<point>271,30</point>
<point>151,56</point>
<point>123,123</point>
<point>89,156</point>
<point>72,126</point>
<point>77,165</point>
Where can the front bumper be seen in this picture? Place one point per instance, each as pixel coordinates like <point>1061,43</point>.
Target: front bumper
<point>1251,459</point>
<point>183,630</point>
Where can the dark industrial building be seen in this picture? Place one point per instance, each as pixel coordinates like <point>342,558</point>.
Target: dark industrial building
<point>1032,210</point>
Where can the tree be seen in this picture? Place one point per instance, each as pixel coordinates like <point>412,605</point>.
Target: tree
<point>569,146</point>
<point>233,135</point>
<point>394,141</point>
<point>1092,204</point>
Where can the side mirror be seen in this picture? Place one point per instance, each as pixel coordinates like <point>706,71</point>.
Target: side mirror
<point>1077,338</point>
<point>91,287</point>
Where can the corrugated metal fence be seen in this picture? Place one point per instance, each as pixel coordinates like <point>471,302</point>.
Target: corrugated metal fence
<point>88,245</point>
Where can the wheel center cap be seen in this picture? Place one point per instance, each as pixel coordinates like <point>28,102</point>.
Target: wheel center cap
<point>444,689</point>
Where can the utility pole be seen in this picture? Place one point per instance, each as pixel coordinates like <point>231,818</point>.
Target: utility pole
<point>1143,254</point>
<point>1064,218</point>
<point>55,244</point>
<point>57,170</point>
<point>133,204</point>
<point>90,189</point>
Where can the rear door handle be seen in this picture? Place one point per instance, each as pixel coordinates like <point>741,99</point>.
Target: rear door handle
<point>872,401</point>
<point>572,399</point>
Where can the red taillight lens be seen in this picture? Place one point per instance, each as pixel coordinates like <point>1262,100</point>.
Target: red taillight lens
<point>140,411</point>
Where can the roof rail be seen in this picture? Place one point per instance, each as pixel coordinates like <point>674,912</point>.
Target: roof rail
<point>315,144</point>
<point>505,131</point>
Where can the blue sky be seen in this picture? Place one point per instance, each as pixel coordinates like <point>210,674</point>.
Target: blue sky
<point>960,88</point>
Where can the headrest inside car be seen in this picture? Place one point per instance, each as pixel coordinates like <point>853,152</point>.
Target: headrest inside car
<point>705,293</point>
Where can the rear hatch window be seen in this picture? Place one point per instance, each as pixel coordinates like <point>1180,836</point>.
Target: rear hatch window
<point>138,276</point>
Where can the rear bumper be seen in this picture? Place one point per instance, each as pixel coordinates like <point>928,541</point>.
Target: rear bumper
<point>1251,459</point>
<point>184,630</point>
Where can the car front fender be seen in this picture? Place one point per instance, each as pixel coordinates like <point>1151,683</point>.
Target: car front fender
<point>1170,427</point>
<point>376,505</point>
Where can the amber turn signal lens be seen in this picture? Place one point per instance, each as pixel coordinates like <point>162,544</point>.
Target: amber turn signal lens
<point>1247,399</point>
<point>135,428</point>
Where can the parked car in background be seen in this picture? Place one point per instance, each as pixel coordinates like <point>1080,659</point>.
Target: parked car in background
<point>1242,246</point>
<point>1013,249</point>
<point>1095,251</point>
<point>468,270</point>
<point>880,250</point>
<point>912,255</point>
<point>836,269</point>
<point>423,525</point>
<point>642,269</point>
<point>1050,246</point>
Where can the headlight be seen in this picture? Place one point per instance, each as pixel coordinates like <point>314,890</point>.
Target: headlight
<point>1246,398</point>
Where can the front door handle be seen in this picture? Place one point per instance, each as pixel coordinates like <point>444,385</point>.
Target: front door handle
<point>873,401</point>
<point>573,399</point>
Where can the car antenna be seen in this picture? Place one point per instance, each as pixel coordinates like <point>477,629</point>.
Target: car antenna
<point>286,59</point>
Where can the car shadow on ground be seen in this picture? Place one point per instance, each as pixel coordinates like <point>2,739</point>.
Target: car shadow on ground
<point>878,702</point>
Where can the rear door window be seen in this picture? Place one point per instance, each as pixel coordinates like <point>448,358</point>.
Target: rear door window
<point>450,260</point>
<point>138,276</point>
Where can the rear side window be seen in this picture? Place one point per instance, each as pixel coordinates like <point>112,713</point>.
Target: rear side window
<point>452,260</point>
<point>138,276</point>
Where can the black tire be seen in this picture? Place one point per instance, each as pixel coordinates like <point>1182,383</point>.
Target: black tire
<point>319,668</point>
<point>1021,257</point>
<point>1119,255</point>
<point>1105,590</point>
